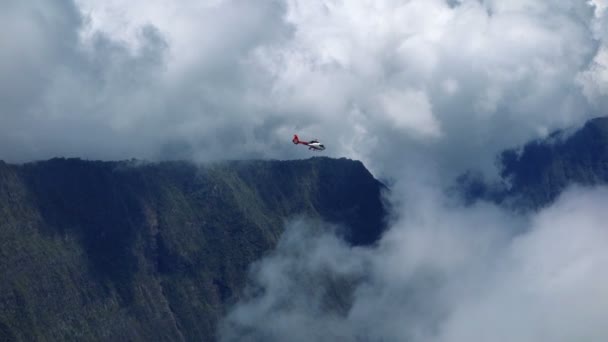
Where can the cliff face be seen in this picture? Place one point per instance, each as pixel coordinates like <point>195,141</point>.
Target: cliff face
<point>542,169</point>
<point>534,175</point>
<point>129,251</point>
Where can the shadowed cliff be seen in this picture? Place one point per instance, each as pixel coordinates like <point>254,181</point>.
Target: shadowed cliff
<point>135,251</point>
<point>535,174</point>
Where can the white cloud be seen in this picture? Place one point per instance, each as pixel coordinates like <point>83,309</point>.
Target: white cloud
<point>515,64</point>
<point>419,90</point>
<point>411,112</point>
<point>595,80</point>
<point>451,82</point>
<point>444,274</point>
<point>600,7</point>
<point>549,284</point>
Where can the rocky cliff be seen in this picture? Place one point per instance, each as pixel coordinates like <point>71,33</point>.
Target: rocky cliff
<point>535,174</point>
<point>137,251</point>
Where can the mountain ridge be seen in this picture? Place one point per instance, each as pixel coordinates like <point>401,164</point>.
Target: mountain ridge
<point>533,175</point>
<point>155,251</point>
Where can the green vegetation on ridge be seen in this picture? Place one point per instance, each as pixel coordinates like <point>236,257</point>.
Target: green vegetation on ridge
<point>133,251</point>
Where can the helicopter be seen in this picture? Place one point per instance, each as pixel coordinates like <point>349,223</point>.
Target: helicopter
<point>314,144</point>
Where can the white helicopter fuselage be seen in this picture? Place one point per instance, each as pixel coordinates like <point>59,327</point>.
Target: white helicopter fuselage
<point>316,146</point>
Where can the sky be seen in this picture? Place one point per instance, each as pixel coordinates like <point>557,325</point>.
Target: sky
<point>439,82</point>
<point>419,90</point>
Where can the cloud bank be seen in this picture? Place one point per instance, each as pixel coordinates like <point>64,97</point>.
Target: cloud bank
<point>420,90</point>
<point>445,274</point>
<point>445,83</point>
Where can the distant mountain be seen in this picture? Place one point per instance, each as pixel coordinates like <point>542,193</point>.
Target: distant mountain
<point>534,175</point>
<point>136,251</point>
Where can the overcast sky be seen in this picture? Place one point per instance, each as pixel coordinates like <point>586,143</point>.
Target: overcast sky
<point>420,90</point>
<point>448,82</point>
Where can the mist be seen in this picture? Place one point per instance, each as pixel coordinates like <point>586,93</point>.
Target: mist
<point>442,273</point>
<point>420,91</point>
<point>443,84</point>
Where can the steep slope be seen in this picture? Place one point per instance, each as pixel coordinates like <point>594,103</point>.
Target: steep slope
<point>542,169</point>
<point>131,251</point>
<point>534,175</point>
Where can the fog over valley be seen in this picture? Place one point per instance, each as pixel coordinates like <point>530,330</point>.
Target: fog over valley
<point>479,244</point>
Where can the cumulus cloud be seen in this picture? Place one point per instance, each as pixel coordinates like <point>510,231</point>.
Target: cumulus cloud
<point>446,82</point>
<point>105,85</point>
<point>485,74</point>
<point>442,274</point>
<point>420,90</point>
